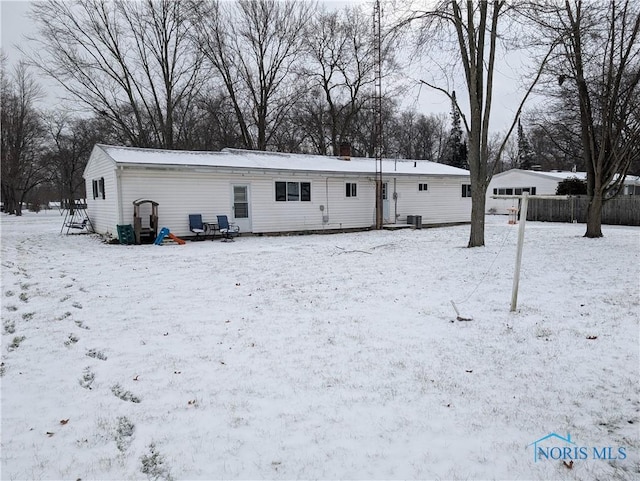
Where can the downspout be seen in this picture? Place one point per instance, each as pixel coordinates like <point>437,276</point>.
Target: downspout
<point>119,195</point>
<point>326,209</point>
<point>395,202</point>
<point>395,192</point>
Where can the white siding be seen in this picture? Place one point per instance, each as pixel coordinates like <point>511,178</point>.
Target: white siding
<point>442,202</point>
<point>178,194</point>
<point>269,215</point>
<point>102,212</point>
<point>518,179</point>
<point>183,191</point>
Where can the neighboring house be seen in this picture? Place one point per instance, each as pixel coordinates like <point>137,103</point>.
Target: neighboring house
<point>268,192</point>
<point>631,185</point>
<point>517,181</point>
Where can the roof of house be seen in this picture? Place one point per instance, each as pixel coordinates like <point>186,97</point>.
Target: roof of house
<point>250,159</point>
<point>561,175</point>
<point>558,175</point>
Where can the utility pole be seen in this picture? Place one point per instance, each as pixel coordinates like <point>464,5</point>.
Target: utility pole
<point>377,109</point>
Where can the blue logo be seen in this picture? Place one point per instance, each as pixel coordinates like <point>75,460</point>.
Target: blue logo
<point>556,447</point>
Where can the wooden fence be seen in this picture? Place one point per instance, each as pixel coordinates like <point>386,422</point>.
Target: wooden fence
<point>623,210</point>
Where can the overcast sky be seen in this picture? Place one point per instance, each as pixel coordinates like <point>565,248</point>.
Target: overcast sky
<point>15,25</point>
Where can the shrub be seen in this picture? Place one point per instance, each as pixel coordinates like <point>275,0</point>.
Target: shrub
<point>572,186</point>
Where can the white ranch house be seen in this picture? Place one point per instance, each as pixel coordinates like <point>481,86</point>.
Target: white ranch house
<point>267,192</point>
<point>517,181</point>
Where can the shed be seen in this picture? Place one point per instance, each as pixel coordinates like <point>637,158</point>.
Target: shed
<point>269,192</point>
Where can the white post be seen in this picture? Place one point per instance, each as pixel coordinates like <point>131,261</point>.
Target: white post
<point>516,274</point>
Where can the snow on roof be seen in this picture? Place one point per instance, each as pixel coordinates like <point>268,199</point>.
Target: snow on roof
<point>632,180</point>
<point>560,175</point>
<point>250,159</point>
<point>557,174</point>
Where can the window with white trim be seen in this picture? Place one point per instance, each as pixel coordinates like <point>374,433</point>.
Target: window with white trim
<point>466,190</point>
<point>351,189</point>
<point>514,190</point>
<point>98,188</point>
<point>293,191</point>
<point>422,187</point>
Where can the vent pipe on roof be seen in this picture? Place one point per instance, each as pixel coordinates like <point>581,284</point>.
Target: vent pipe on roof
<point>345,151</point>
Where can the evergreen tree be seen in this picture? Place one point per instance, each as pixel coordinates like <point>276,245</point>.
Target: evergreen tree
<point>525,153</point>
<point>456,148</point>
<point>572,186</point>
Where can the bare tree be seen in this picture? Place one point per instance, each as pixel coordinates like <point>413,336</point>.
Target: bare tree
<point>254,46</point>
<point>21,126</point>
<point>340,64</point>
<point>555,132</point>
<point>416,136</point>
<point>211,123</point>
<point>131,62</point>
<point>69,145</point>
<point>476,29</point>
<point>599,68</point>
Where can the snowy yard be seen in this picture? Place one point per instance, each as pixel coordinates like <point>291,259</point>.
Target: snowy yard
<point>333,356</point>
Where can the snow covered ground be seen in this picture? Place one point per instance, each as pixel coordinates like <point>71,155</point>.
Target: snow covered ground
<point>334,356</point>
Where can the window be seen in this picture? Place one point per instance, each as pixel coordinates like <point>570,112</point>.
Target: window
<point>293,191</point>
<point>422,187</point>
<point>466,190</point>
<point>514,190</point>
<point>98,188</point>
<point>305,191</point>
<point>351,189</point>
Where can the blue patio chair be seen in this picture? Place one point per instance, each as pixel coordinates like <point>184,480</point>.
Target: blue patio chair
<point>227,230</point>
<point>196,226</point>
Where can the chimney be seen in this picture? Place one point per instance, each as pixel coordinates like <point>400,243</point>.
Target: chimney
<point>345,151</point>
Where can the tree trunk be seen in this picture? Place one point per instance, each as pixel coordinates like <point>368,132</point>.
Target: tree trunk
<point>594,216</point>
<point>478,201</point>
